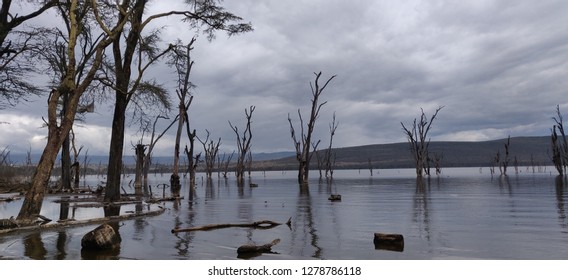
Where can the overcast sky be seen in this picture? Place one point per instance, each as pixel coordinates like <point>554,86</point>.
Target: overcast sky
<point>499,68</point>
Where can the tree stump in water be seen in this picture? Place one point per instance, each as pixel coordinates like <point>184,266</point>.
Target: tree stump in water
<point>175,185</point>
<point>101,238</point>
<point>388,241</point>
<point>335,197</point>
<point>251,250</point>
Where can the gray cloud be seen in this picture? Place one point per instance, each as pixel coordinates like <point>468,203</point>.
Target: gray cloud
<point>498,67</point>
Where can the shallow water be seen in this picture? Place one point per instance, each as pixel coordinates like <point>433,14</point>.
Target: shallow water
<point>465,213</point>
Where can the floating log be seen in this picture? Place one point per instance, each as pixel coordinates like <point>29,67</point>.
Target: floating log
<point>389,241</point>
<point>169,198</point>
<point>266,224</point>
<point>30,225</point>
<point>335,197</point>
<point>251,250</point>
<point>101,238</point>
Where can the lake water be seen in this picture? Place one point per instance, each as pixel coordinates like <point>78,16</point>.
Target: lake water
<point>465,213</point>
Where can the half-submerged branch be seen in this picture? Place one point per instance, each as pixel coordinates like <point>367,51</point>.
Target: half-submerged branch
<point>265,224</point>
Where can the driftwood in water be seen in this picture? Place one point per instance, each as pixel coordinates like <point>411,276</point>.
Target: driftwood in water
<point>170,198</point>
<point>388,241</point>
<point>251,250</point>
<point>67,223</point>
<point>258,225</point>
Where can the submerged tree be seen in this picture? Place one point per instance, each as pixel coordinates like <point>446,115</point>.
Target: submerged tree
<point>559,144</point>
<point>243,144</point>
<point>330,155</point>
<point>417,136</point>
<point>211,149</point>
<point>304,144</point>
<point>180,58</point>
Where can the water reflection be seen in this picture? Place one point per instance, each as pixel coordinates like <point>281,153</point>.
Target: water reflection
<point>61,244</point>
<point>34,247</point>
<point>560,186</point>
<point>421,214</point>
<point>305,221</point>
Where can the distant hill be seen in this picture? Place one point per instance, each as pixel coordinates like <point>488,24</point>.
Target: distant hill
<point>527,151</point>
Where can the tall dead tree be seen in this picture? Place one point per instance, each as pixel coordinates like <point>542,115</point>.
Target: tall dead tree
<point>140,152</point>
<point>243,144</point>
<point>505,161</point>
<point>304,144</point>
<point>417,136</point>
<point>148,156</point>
<point>180,58</point>
<point>559,144</point>
<point>210,148</point>
<point>330,156</point>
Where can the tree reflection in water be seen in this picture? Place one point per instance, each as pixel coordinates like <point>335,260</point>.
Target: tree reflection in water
<point>305,221</point>
<point>560,196</point>
<point>421,214</point>
<point>34,247</point>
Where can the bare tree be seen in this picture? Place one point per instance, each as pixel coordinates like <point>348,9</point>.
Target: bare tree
<point>243,144</point>
<point>505,161</point>
<point>210,148</point>
<point>417,136</point>
<point>303,145</point>
<point>559,146</point>
<point>148,156</point>
<point>330,156</point>
<point>180,58</point>
<point>224,163</point>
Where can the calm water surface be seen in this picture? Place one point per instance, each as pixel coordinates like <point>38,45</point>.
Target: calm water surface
<point>463,214</point>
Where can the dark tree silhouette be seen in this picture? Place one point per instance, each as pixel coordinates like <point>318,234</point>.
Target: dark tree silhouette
<point>417,136</point>
<point>243,144</point>
<point>304,144</point>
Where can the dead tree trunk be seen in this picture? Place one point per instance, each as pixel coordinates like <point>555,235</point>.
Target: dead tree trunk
<point>140,151</point>
<point>181,59</point>
<point>76,166</point>
<point>148,157</point>
<point>193,161</point>
<point>505,162</point>
<point>303,145</point>
<point>418,138</point>
<point>243,144</point>
<point>559,146</point>
<point>330,156</point>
